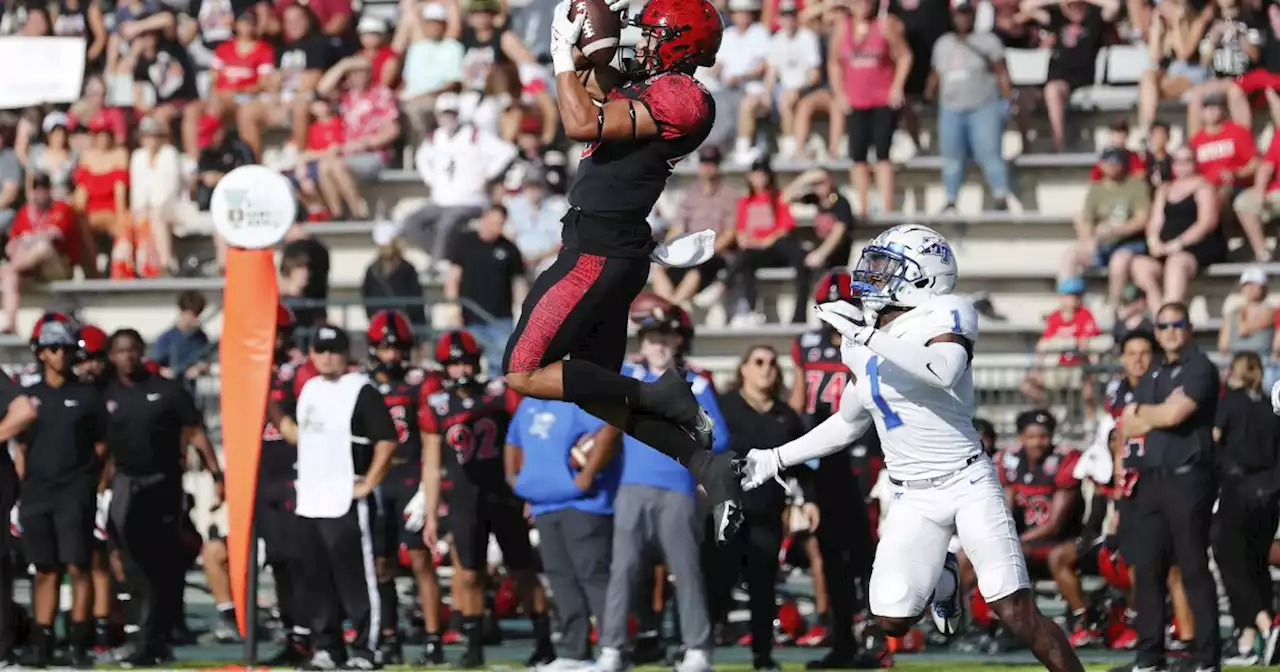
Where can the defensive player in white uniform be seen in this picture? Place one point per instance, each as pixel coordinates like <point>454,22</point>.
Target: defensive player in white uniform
<point>909,345</point>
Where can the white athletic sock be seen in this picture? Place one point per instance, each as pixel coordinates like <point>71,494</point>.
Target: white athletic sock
<point>946,587</point>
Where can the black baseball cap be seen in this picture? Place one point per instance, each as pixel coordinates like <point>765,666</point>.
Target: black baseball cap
<point>710,154</point>
<point>1037,416</point>
<point>963,6</point>
<point>1115,155</point>
<point>331,339</point>
<point>41,181</point>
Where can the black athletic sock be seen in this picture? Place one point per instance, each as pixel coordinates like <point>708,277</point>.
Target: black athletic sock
<point>588,382</point>
<point>473,632</point>
<point>666,438</point>
<point>541,628</point>
<point>285,597</point>
<point>80,634</point>
<point>389,613</point>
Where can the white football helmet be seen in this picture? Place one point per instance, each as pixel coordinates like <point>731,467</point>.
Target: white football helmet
<point>904,266</point>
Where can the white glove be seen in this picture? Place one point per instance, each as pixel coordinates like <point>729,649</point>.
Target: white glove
<point>415,513</point>
<point>564,36</point>
<point>15,523</point>
<point>852,322</point>
<point>619,5</point>
<point>759,467</point>
<point>1275,398</point>
<point>1095,464</point>
<point>686,250</point>
<point>102,515</point>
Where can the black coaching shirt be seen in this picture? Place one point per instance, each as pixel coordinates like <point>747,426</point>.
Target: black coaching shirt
<point>9,390</point>
<point>1189,443</point>
<point>147,419</point>
<point>1250,429</point>
<point>60,445</point>
<point>489,267</point>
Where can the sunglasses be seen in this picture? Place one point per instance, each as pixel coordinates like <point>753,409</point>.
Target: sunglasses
<point>761,361</point>
<point>55,348</point>
<point>328,349</point>
<point>1176,324</point>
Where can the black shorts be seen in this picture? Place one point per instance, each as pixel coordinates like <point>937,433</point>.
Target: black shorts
<point>1087,551</point>
<point>577,308</point>
<point>388,529</point>
<point>278,528</point>
<point>472,522</point>
<point>871,129</point>
<point>58,534</point>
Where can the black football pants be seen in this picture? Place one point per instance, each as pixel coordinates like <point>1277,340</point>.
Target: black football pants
<point>1171,514</point>
<point>147,522</point>
<point>8,610</point>
<point>338,578</point>
<point>1242,533</point>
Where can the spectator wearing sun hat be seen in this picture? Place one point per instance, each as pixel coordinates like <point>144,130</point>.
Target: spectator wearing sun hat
<point>54,156</point>
<point>391,276</point>
<point>1069,335</point>
<point>1249,326</point>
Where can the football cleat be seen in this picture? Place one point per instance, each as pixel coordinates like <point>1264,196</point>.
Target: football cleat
<point>948,613</point>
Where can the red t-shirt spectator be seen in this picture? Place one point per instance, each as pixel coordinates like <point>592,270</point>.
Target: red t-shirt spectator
<point>1273,157</point>
<point>58,223</point>
<point>378,59</point>
<point>366,113</point>
<point>1079,326</point>
<point>761,216</point>
<point>240,66</point>
<point>324,133</point>
<point>1220,154</point>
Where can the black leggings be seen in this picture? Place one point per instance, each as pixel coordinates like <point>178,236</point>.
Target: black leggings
<point>753,554</point>
<point>783,253</point>
<point>1242,535</point>
<point>868,129</point>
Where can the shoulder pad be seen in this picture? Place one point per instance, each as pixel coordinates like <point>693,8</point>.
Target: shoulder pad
<point>439,401</point>
<point>285,371</point>
<point>809,339</point>
<point>414,376</point>
<point>951,314</point>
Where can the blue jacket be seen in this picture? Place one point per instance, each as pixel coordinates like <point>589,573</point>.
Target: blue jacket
<point>546,431</point>
<point>646,466</point>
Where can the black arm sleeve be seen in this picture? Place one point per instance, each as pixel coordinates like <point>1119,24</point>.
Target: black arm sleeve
<point>371,419</point>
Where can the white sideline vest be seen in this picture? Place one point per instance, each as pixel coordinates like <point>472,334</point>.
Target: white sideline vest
<point>326,469</point>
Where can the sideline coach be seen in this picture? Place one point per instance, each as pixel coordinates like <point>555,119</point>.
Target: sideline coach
<point>18,415</point>
<point>1170,425</point>
<point>345,438</point>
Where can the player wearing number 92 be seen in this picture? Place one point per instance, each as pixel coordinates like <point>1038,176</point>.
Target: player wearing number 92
<point>909,343</point>
<point>464,427</point>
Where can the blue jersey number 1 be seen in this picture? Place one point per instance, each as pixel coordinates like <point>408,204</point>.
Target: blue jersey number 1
<point>955,314</point>
<point>891,419</point>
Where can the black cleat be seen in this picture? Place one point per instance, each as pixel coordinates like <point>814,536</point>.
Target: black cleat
<point>720,476</point>
<point>432,653</point>
<point>471,659</point>
<point>847,660</point>
<point>670,398</point>
<point>390,652</point>
<point>543,654</point>
<point>296,652</point>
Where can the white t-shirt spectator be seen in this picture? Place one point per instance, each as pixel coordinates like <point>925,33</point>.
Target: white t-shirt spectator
<point>536,229</point>
<point>431,65</point>
<point>154,182</point>
<point>458,167</point>
<point>742,51</point>
<point>792,57</point>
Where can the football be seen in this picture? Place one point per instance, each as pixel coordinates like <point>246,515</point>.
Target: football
<point>601,32</point>
<point>578,454</point>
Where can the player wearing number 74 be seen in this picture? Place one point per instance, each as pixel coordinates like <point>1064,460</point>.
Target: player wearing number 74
<point>909,343</point>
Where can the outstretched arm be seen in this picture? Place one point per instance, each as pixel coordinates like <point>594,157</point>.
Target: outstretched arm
<point>938,363</point>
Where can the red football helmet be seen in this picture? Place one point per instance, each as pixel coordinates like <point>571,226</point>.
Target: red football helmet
<point>685,33</point>
<point>835,285</point>
<point>390,327</point>
<point>93,342</point>
<point>458,345</point>
<point>51,316</point>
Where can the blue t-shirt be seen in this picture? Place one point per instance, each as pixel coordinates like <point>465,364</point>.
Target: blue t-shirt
<point>646,466</point>
<point>546,431</point>
<point>174,348</point>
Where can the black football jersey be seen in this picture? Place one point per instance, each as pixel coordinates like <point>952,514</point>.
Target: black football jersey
<point>1034,485</point>
<point>406,400</point>
<point>472,423</point>
<point>822,371</point>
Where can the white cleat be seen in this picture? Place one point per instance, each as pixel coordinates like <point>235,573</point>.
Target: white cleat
<point>947,614</point>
